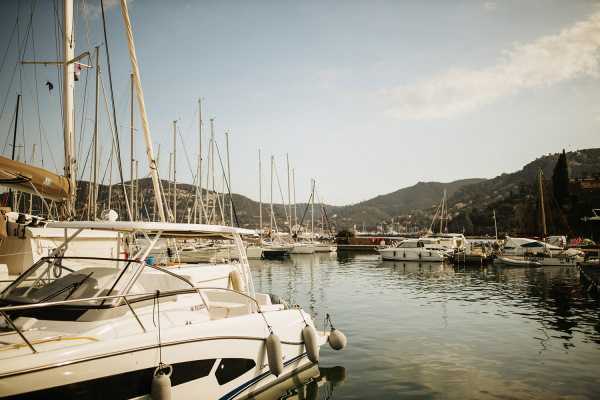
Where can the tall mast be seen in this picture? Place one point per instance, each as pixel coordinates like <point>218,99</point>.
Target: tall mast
<point>212,166</point>
<point>131,152</point>
<point>495,225</point>
<point>542,208</point>
<point>289,192</point>
<point>271,223</point>
<point>199,172</point>
<point>11,194</point>
<point>175,171</point>
<point>312,209</point>
<point>229,178</point>
<point>95,161</point>
<point>260,194</point>
<point>294,193</point>
<point>142,109</point>
<point>67,103</point>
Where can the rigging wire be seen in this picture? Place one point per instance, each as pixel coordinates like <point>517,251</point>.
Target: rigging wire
<point>114,113</point>
<point>20,55</point>
<point>12,34</point>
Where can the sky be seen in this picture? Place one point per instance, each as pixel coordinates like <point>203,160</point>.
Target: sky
<point>366,97</point>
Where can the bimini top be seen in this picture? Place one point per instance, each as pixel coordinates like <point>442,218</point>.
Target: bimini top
<point>167,229</point>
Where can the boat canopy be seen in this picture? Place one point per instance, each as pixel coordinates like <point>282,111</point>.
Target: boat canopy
<point>166,229</point>
<point>29,179</point>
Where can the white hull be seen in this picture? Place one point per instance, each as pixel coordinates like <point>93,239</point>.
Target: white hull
<point>520,261</point>
<point>301,248</point>
<point>325,248</point>
<point>123,367</point>
<point>411,254</point>
<point>254,252</point>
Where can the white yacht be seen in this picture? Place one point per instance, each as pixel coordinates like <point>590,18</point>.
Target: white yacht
<point>536,252</point>
<point>423,249</point>
<point>89,327</point>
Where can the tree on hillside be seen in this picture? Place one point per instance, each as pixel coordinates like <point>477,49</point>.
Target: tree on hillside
<point>560,180</point>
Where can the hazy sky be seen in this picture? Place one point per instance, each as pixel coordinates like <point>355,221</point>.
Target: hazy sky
<point>366,97</point>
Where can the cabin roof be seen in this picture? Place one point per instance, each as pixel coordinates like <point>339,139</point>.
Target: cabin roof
<point>167,228</point>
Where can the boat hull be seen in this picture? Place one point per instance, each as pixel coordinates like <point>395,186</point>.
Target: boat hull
<point>411,255</point>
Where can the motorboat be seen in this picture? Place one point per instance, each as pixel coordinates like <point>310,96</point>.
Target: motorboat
<point>127,327</point>
<point>302,248</point>
<point>413,250</point>
<point>512,261</point>
<point>540,252</point>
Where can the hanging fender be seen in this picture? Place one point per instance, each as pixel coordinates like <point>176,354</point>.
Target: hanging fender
<point>274,354</point>
<point>309,335</point>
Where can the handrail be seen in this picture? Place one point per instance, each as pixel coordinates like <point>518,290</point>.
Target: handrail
<point>157,294</point>
<point>160,294</point>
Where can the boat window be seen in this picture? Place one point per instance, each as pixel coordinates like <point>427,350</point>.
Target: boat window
<point>68,278</point>
<point>231,368</point>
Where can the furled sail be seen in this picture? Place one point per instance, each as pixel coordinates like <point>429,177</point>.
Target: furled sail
<point>38,181</point>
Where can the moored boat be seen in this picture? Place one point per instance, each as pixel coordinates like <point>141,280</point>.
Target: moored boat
<point>80,326</point>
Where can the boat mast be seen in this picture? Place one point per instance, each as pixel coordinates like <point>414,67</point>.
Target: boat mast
<point>67,103</point>
<point>142,110</point>
<point>271,223</point>
<point>495,225</point>
<point>95,161</point>
<point>199,204</point>
<point>11,195</point>
<point>260,194</point>
<point>542,208</point>
<point>131,154</point>
<point>229,178</point>
<point>312,209</point>
<point>289,206</point>
<point>294,193</point>
<point>212,170</point>
<point>175,171</point>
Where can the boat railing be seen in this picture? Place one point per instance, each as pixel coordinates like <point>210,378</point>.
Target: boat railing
<point>128,300</point>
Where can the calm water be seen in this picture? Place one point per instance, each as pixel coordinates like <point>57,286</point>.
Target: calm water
<point>433,331</point>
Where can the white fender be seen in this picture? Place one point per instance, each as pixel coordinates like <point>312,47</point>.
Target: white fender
<point>309,335</point>
<point>237,283</point>
<point>161,383</point>
<point>274,354</point>
<point>337,340</point>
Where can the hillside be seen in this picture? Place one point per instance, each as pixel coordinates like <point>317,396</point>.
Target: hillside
<point>471,202</point>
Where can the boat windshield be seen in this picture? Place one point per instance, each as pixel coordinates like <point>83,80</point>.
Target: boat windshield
<point>71,278</point>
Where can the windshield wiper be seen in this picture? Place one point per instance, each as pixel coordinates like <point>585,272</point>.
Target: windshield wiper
<point>73,286</point>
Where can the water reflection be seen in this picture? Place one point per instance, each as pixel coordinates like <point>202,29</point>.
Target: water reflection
<point>430,330</point>
<point>314,383</point>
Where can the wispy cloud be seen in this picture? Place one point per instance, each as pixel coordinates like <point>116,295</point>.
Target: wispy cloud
<point>572,53</point>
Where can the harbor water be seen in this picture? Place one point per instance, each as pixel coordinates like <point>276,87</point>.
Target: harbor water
<point>435,331</point>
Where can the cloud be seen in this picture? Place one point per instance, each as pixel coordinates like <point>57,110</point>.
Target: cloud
<point>572,53</point>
